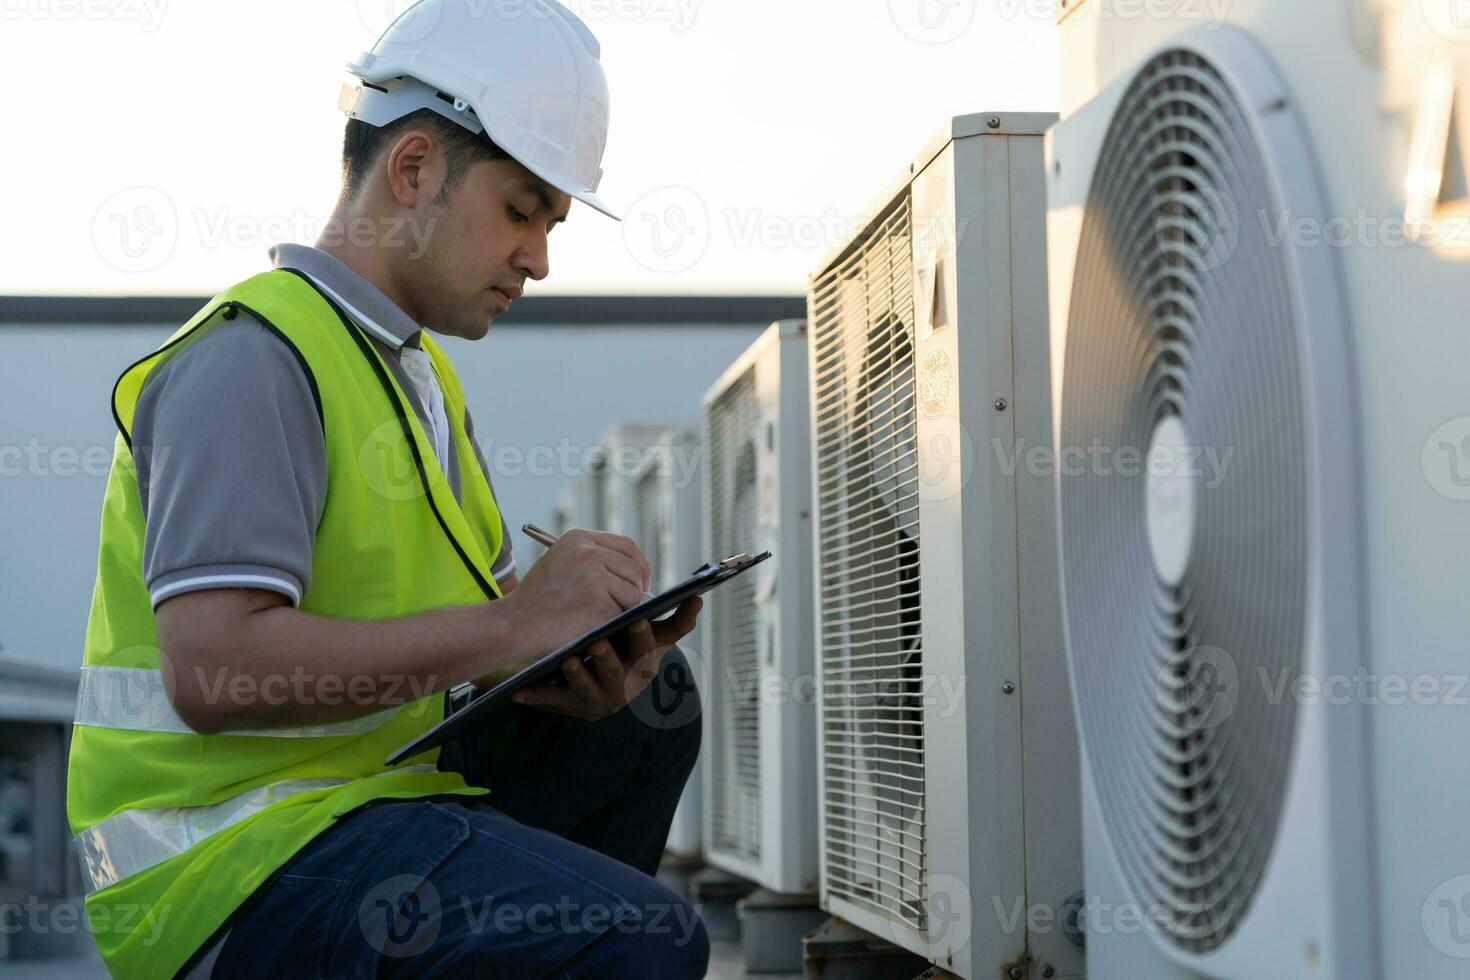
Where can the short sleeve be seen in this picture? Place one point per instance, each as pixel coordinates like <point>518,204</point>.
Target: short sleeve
<point>232,465</point>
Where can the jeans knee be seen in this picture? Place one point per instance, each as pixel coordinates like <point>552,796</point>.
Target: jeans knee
<point>665,941</point>
<point>688,954</point>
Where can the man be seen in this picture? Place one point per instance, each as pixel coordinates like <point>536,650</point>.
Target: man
<point>301,552</point>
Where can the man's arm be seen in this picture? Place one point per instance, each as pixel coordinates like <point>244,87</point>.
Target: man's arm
<point>245,658</point>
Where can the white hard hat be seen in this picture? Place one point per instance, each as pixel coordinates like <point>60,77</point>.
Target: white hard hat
<point>527,74</point>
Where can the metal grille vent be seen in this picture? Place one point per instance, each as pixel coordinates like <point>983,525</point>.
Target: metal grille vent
<point>734,704</point>
<point>868,559</point>
<point>1185,578</point>
<point>597,473</point>
<point>653,525</point>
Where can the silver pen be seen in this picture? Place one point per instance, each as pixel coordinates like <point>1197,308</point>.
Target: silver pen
<point>538,535</point>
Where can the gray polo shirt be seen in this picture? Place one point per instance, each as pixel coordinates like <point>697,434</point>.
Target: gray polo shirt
<point>231,460</point>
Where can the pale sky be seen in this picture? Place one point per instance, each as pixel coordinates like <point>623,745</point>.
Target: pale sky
<point>160,146</point>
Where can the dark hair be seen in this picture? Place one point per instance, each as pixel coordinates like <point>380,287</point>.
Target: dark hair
<point>362,143</point>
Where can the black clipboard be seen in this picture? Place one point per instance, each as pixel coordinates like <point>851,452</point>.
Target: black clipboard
<point>548,667</point>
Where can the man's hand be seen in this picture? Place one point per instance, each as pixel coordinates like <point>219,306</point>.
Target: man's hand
<point>599,689</point>
<point>585,579</point>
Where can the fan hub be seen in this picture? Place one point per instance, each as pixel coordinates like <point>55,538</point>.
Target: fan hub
<point>1170,491</point>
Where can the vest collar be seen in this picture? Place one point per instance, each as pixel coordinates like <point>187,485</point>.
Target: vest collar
<point>367,304</point>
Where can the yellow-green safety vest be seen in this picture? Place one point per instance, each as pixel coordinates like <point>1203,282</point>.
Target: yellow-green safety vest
<point>176,829</point>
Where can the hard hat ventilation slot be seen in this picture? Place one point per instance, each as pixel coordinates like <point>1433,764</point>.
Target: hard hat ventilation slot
<point>460,105</point>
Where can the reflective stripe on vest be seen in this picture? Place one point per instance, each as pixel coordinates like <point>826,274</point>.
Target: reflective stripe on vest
<point>136,700</point>
<point>135,840</point>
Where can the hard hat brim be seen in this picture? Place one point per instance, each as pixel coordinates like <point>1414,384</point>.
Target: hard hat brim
<point>588,198</point>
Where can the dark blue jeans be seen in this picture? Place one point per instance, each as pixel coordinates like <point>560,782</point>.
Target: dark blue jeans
<point>551,876</point>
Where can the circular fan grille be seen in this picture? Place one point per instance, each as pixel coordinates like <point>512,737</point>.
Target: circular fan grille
<point>1184,499</point>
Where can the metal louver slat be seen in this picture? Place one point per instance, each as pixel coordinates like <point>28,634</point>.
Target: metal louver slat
<point>870,656</point>
<point>653,518</point>
<point>734,702</point>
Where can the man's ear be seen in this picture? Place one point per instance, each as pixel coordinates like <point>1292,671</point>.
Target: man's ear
<point>415,167</point>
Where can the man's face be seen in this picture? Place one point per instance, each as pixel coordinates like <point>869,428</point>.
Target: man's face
<point>485,242</point>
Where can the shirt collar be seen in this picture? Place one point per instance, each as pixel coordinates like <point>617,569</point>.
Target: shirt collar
<point>366,303</point>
